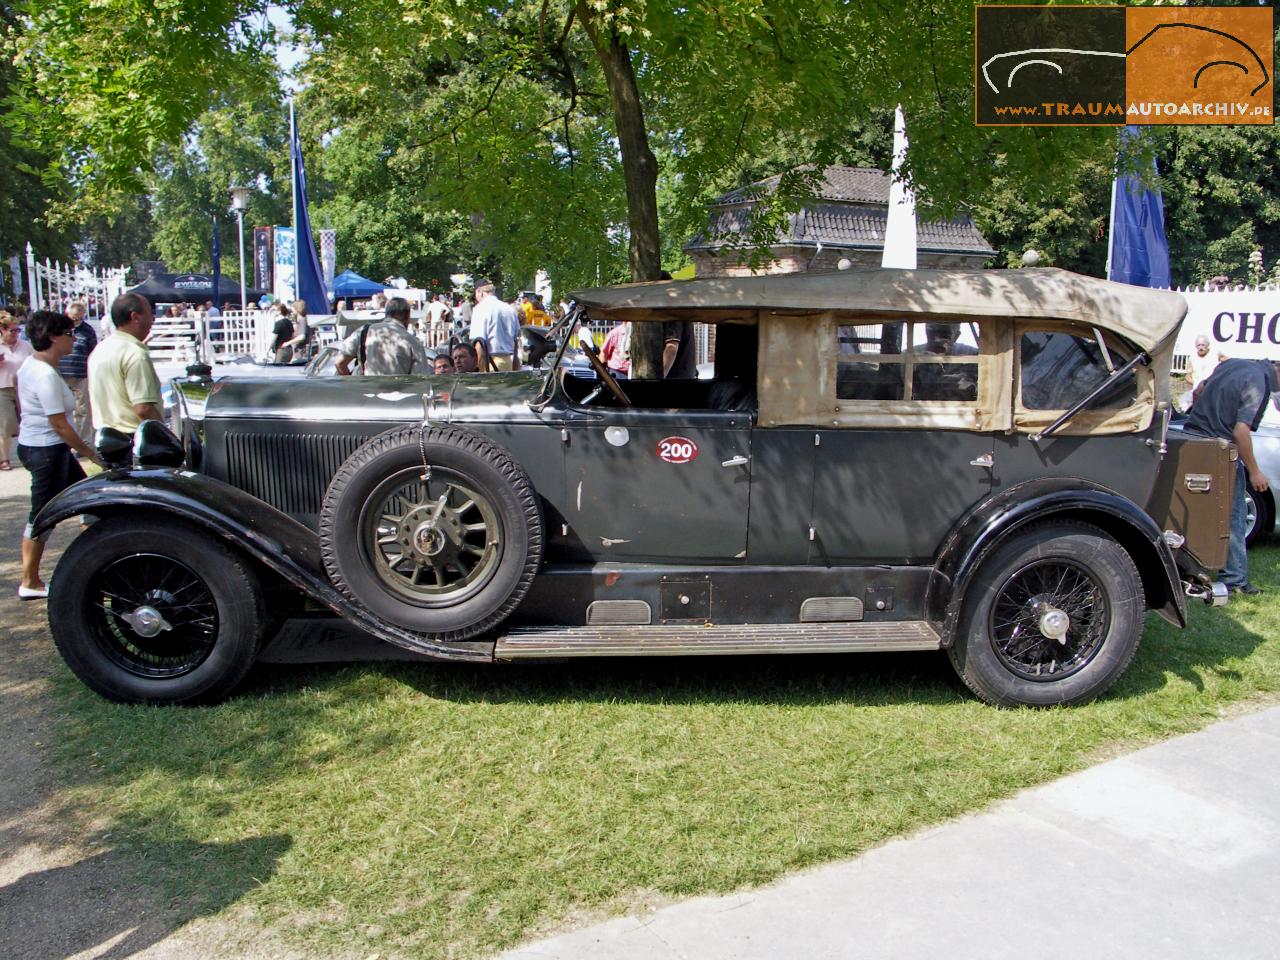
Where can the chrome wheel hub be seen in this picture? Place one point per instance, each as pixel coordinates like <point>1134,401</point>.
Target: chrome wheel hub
<point>146,621</point>
<point>1054,623</point>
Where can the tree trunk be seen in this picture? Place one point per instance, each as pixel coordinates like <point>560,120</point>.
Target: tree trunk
<point>640,173</point>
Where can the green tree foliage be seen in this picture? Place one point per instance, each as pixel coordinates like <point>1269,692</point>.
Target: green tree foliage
<point>1068,229</point>
<point>1221,199</point>
<point>118,240</point>
<point>243,142</point>
<point>27,187</point>
<point>527,108</point>
<point>384,224</point>
<point>1220,204</point>
<point>103,83</point>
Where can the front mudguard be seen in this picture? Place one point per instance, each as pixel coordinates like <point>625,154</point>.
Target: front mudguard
<point>272,538</point>
<point>1054,499</point>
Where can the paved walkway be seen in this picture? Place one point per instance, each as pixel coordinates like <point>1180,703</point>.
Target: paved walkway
<point>1171,852</point>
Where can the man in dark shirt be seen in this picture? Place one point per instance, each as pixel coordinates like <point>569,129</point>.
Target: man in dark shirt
<point>75,370</point>
<point>1230,406</point>
<point>283,331</point>
<point>679,357</point>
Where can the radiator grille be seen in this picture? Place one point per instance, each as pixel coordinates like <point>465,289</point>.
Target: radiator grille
<point>290,472</point>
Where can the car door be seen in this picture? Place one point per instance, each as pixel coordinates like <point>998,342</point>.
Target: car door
<point>657,485</point>
<point>1115,442</point>
<point>909,449</point>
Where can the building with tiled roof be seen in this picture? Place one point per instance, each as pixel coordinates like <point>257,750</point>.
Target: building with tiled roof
<point>845,221</point>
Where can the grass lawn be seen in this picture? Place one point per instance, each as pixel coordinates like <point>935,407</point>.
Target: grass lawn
<point>445,810</point>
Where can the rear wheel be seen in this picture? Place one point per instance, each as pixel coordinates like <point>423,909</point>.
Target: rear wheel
<point>1053,616</point>
<point>147,612</point>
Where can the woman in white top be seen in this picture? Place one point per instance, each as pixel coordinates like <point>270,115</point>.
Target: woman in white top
<point>47,442</point>
<point>13,353</point>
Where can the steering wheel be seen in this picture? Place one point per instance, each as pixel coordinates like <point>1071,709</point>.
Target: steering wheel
<point>603,373</point>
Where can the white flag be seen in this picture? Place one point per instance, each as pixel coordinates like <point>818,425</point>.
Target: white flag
<point>900,231</point>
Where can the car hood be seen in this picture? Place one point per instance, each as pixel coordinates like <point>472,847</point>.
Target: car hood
<point>493,396</point>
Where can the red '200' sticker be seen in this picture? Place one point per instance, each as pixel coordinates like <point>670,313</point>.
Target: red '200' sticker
<point>677,449</point>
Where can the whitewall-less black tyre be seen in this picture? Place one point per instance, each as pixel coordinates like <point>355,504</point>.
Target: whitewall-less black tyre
<point>436,530</point>
<point>1053,617</point>
<point>155,611</point>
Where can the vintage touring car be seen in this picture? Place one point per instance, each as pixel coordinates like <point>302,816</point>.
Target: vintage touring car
<point>975,462</point>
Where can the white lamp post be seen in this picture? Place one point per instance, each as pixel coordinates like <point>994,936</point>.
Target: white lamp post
<point>239,201</point>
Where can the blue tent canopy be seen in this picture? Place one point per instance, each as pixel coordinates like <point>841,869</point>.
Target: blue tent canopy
<point>350,284</point>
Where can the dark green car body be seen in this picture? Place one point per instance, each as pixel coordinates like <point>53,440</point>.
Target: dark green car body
<point>837,499</point>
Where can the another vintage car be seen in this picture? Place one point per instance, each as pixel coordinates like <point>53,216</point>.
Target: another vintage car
<point>886,460</point>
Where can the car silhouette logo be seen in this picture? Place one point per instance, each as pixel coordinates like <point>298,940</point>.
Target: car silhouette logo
<point>1202,48</point>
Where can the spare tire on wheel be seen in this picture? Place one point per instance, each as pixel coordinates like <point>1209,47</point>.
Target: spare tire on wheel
<point>448,548</point>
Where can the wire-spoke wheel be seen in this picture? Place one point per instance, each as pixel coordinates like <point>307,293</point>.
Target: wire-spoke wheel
<point>1053,616</point>
<point>152,616</point>
<point>434,529</point>
<point>1048,619</point>
<point>155,611</point>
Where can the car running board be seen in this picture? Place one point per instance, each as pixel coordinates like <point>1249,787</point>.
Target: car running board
<point>715,640</point>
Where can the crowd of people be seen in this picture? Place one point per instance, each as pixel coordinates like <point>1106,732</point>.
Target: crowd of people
<point>453,335</point>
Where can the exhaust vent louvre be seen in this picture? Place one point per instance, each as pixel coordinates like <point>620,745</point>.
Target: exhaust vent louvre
<point>612,613</point>
<point>831,610</point>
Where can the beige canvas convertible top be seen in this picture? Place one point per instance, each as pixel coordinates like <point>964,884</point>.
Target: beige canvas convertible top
<point>1147,318</point>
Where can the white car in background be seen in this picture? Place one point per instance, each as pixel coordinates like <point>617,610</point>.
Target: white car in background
<point>1262,506</point>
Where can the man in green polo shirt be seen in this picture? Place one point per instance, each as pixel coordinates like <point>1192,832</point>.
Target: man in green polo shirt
<point>123,387</point>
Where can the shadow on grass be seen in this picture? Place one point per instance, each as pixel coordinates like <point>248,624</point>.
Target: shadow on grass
<point>117,905</point>
<point>1212,638</point>
<point>794,680</point>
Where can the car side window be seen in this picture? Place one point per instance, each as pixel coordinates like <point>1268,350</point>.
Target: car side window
<point>908,361</point>
<point>1059,369</point>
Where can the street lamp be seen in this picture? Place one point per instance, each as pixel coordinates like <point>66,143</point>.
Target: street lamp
<point>239,201</point>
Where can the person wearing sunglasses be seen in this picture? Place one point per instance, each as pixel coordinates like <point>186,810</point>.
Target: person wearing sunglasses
<point>47,442</point>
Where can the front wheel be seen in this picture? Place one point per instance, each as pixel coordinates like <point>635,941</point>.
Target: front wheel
<point>1053,617</point>
<point>161,613</point>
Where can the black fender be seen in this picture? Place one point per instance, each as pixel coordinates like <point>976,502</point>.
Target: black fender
<point>1053,499</point>
<point>272,538</point>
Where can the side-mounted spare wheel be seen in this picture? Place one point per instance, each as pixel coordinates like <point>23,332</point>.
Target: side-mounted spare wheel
<point>155,611</point>
<point>1053,616</point>
<point>434,529</point>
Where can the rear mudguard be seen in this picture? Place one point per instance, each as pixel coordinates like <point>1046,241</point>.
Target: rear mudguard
<point>1053,499</point>
<point>269,536</point>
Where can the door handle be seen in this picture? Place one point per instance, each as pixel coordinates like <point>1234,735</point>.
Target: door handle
<point>736,461</point>
<point>986,460</point>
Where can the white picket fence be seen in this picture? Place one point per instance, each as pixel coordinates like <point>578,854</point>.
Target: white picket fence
<point>55,285</point>
<point>236,333</point>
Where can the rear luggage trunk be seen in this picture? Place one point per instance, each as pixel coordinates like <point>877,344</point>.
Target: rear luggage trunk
<point>1193,493</point>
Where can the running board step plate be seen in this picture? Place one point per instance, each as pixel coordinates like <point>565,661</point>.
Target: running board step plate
<point>720,640</point>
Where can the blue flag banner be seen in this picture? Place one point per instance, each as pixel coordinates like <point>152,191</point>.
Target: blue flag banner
<point>1139,252</point>
<point>309,282</point>
<point>217,266</point>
